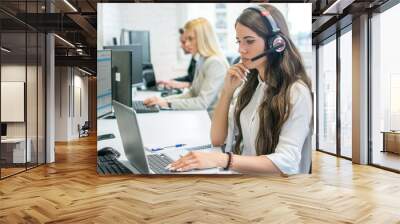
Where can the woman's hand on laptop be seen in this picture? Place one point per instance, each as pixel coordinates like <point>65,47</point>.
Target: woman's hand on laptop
<point>155,101</point>
<point>199,160</point>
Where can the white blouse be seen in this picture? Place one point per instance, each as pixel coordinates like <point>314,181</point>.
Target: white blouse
<point>295,137</point>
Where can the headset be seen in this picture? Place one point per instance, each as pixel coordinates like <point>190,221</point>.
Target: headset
<point>275,42</point>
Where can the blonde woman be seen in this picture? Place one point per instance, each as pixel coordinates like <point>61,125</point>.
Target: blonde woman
<point>211,67</point>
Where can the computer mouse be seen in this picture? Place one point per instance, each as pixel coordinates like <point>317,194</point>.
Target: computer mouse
<point>105,137</point>
<point>177,91</point>
<point>108,151</point>
<point>171,92</point>
<point>164,94</point>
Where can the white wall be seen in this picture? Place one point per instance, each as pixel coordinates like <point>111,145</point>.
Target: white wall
<point>14,73</point>
<point>163,22</point>
<point>68,81</point>
<point>61,87</point>
<point>80,83</point>
<point>33,126</point>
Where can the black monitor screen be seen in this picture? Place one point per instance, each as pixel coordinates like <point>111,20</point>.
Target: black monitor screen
<point>3,129</point>
<point>121,77</point>
<point>142,38</point>
<point>135,61</point>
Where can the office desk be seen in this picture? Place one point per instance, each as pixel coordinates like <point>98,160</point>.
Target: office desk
<point>13,150</point>
<point>143,94</point>
<point>172,126</point>
<point>162,129</point>
<point>391,141</point>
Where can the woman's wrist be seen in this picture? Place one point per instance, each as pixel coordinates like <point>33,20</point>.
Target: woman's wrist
<point>226,93</point>
<point>229,161</point>
<point>222,160</point>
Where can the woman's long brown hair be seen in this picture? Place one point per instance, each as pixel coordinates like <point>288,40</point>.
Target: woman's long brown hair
<point>280,74</point>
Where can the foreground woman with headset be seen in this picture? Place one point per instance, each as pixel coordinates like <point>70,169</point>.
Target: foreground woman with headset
<point>264,112</point>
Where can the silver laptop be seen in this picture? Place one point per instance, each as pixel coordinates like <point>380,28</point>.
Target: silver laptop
<point>133,145</point>
<point>135,151</point>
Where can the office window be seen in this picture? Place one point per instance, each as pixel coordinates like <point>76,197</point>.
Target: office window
<point>221,20</point>
<point>220,6</point>
<point>385,85</point>
<point>13,84</point>
<point>346,94</point>
<point>31,96</point>
<point>327,96</point>
<point>222,38</point>
<point>22,93</point>
<point>313,74</point>
<point>41,79</point>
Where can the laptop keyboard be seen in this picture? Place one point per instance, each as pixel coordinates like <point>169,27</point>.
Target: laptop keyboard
<point>109,165</point>
<point>139,107</point>
<point>158,162</point>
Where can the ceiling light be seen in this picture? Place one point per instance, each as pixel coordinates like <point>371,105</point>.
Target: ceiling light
<point>65,41</point>
<point>337,7</point>
<point>86,72</point>
<point>5,50</point>
<point>70,5</point>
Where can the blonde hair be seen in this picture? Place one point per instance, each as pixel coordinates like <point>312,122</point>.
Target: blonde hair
<point>207,44</point>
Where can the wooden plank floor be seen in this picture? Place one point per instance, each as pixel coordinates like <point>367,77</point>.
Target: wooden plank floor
<point>70,191</point>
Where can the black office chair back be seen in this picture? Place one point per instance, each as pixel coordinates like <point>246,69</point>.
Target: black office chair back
<point>149,77</point>
<point>86,126</point>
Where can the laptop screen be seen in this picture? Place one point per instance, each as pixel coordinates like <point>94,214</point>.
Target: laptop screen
<point>130,134</point>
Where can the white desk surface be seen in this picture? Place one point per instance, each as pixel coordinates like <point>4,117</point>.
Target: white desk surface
<point>161,129</point>
<point>165,128</point>
<point>13,140</point>
<point>141,95</point>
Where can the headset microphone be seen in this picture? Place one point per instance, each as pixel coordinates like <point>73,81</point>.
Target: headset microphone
<point>265,53</point>
<point>269,51</point>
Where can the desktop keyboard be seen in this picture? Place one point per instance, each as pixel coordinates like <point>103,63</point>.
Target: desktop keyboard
<point>139,107</point>
<point>108,164</point>
<point>158,162</point>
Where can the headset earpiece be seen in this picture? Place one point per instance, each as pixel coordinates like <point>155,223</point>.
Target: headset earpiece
<point>275,42</point>
<point>278,43</point>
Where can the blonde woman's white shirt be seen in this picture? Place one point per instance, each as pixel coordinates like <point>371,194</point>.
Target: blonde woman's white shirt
<point>207,83</point>
<point>294,139</point>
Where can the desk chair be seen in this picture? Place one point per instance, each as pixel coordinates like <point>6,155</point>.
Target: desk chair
<point>84,130</point>
<point>149,77</point>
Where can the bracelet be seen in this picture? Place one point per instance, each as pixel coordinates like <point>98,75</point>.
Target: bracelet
<point>228,165</point>
<point>169,105</point>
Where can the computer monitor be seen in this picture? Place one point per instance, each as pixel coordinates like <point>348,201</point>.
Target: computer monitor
<point>135,61</point>
<point>142,37</point>
<point>3,129</point>
<point>121,77</point>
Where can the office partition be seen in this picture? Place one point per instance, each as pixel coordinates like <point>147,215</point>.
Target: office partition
<point>23,89</point>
